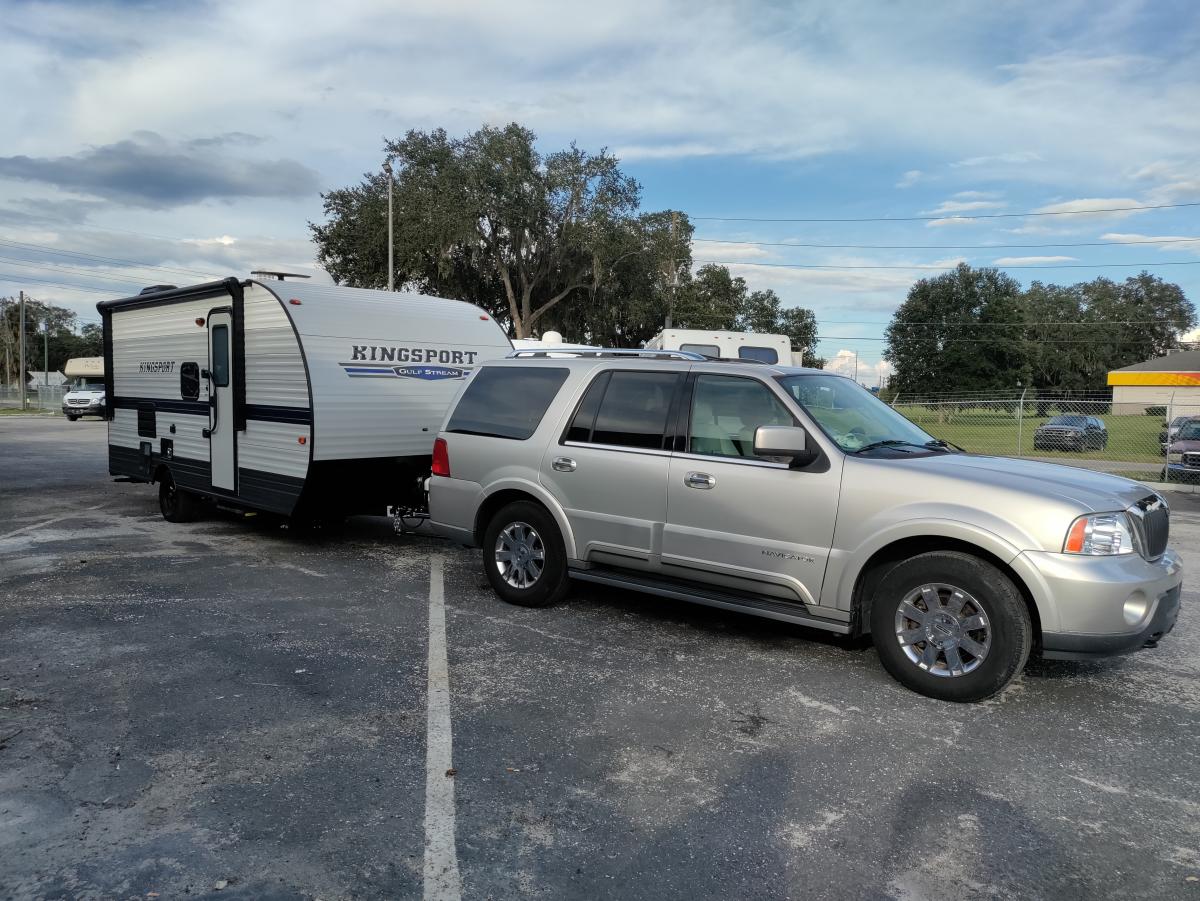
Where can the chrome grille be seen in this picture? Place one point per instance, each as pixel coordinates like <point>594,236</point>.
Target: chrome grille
<point>1191,459</point>
<point>1152,518</point>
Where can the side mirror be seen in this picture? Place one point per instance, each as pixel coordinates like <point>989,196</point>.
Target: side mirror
<point>784,441</point>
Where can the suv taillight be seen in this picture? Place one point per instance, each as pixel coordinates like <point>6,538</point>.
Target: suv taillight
<point>441,458</point>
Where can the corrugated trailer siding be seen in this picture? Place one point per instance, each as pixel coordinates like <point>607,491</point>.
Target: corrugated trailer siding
<point>157,334</point>
<point>382,415</point>
<point>274,364</point>
<point>275,378</point>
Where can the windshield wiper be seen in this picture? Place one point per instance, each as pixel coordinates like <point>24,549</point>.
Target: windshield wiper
<point>939,442</point>
<point>889,442</point>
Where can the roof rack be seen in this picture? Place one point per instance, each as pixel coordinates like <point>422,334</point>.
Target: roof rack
<point>641,353</point>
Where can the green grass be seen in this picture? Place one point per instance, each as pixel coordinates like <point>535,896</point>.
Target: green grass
<point>31,411</point>
<point>1131,439</point>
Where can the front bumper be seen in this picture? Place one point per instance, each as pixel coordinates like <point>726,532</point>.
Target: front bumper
<point>1099,606</point>
<point>1180,473</point>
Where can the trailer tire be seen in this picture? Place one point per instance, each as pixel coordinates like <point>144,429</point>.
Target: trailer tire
<point>176,504</point>
<point>517,539</point>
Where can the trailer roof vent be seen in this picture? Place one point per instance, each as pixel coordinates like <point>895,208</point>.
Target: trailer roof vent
<point>154,289</point>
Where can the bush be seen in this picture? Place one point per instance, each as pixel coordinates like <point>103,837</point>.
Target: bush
<point>1156,411</point>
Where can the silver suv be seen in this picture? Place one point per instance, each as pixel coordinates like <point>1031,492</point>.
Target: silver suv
<point>797,495</point>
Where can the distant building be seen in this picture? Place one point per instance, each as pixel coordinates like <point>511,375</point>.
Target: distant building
<point>40,379</point>
<point>1161,382</point>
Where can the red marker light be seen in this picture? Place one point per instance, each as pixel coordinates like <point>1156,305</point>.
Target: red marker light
<point>302,440</point>
<point>483,318</point>
<point>294,302</point>
<point>200,320</point>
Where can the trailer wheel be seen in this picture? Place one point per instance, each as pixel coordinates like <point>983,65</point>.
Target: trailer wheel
<point>523,555</point>
<point>176,504</point>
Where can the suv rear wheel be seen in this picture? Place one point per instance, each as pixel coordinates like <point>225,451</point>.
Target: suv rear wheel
<point>950,626</point>
<point>523,555</point>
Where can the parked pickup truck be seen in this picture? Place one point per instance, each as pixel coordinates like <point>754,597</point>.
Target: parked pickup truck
<point>795,494</point>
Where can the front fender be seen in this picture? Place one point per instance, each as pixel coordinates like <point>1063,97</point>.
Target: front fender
<point>542,496</point>
<point>845,566</point>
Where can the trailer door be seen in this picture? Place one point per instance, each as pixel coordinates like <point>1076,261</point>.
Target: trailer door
<point>220,413</point>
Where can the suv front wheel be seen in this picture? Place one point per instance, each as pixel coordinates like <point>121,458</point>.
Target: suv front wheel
<point>950,626</point>
<point>523,555</point>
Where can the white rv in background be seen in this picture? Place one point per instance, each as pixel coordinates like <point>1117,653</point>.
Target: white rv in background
<point>774,349</point>
<point>85,396</point>
<point>288,397</point>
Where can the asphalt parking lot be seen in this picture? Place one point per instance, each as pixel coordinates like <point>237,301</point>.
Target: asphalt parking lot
<point>227,708</point>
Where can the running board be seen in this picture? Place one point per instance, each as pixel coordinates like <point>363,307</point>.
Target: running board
<point>754,605</point>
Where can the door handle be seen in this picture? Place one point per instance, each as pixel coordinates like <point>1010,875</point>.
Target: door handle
<point>699,480</point>
<point>564,464</point>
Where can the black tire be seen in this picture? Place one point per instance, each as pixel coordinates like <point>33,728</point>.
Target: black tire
<point>176,504</point>
<point>71,417</point>
<point>988,591</point>
<point>550,583</point>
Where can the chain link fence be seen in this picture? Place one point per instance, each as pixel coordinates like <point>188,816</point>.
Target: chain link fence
<point>1150,444</point>
<point>43,398</point>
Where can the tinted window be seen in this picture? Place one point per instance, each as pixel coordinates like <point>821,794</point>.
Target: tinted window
<point>585,417</point>
<point>189,381</point>
<point>762,354</point>
<point>506,401</point>
<point>727,410</point>
<point>708,350</point>
<point>220,355</point>
<point>633,412</point>
<point>1071,420</point>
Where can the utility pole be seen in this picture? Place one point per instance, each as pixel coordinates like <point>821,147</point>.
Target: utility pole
<point>856,367</point>
<point>674,273</point>
<point>46,351</point>
<point>22,375</point>
<point>387,167</point>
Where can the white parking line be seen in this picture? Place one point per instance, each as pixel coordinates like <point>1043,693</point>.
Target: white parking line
<point>48,522</point>
<point>442,881</point>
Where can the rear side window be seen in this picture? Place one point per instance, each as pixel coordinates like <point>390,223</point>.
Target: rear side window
<point>708,350</point>
<point>506,401</point>
<point>762,354</point>
<point>633,411</point>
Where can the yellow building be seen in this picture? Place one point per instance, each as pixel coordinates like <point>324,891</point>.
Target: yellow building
<point>1173,380</point>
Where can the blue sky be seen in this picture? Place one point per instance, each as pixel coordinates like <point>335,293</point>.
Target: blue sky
<point>198,136</point>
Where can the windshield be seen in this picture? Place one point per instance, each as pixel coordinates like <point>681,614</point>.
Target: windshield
<point>87,384</point>
<point>850,414</point>
<point>1189,432</point>
<point>1068,420</point>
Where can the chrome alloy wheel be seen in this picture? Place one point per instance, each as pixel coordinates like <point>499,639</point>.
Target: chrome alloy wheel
<point>943,630</point>
<point>520,554</point>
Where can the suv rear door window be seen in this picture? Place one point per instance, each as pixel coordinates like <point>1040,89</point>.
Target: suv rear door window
<point>762,354</point>
<point>633,411</point>
<point>506,401</point>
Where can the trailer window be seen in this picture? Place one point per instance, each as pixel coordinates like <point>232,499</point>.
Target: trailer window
<point>189,381</point>
<point>506,401</point>
<point>707,350</point>
<point>762,354</point>
<point>220,355</point>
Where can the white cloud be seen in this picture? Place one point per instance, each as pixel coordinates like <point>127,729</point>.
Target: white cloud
<point>1176,243</point>
<point>869,372</point>
<point>909,178</point>
<point>1016,158</point>
<point>728,251</point>
<point>963,206</point>
<point>1094,207</point>
<point>951,220</point>
<point>1030,261</point>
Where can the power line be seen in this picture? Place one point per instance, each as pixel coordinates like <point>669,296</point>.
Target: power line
<point>945,246</point>
<point>951,339</point>
<point>949,215</point>
<point>926,268</point>
<point>74,270</point>
<point>28,278</point>
<point>48,248</point>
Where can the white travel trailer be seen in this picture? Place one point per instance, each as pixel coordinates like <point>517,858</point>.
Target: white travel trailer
<point>774,349</point>
<point>288,397</point>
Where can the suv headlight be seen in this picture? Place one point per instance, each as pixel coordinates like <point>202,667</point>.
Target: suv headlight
<point>1174,457</point>
<point>1100,535</point>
